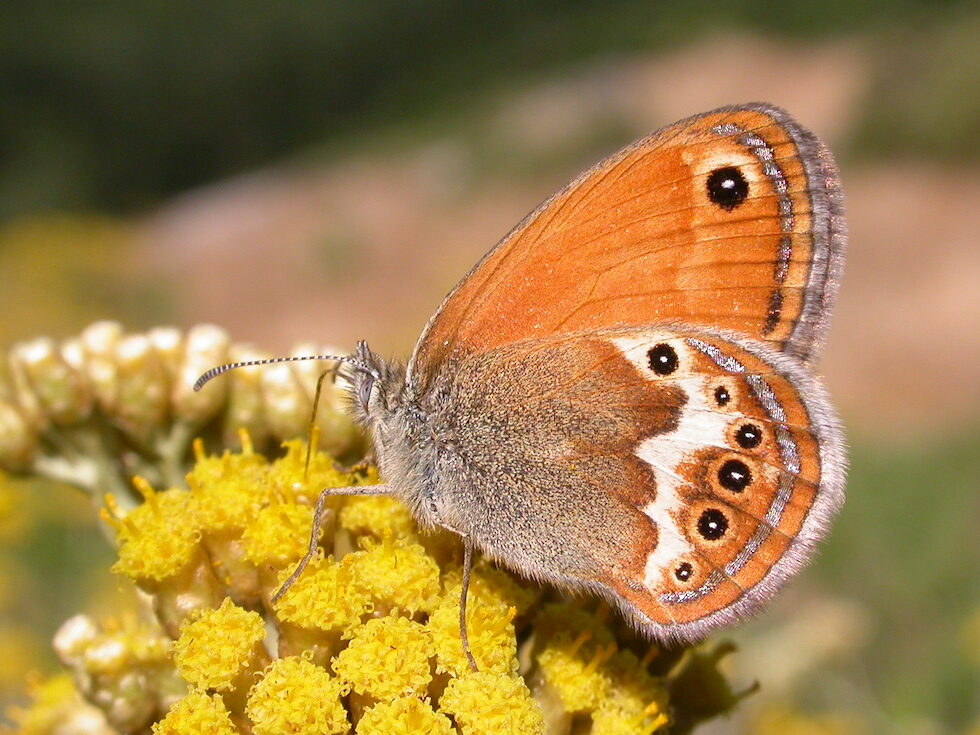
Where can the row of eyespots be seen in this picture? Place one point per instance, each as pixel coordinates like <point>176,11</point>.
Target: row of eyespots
<point>727,188</point>
<point>734,475</point>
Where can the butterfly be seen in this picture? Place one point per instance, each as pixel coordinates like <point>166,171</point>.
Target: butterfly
<point>619,397</point>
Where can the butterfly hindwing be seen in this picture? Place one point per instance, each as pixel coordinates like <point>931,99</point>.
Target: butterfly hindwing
<point>683,472</point>
<point>745,484</point>
<point>730,220</point>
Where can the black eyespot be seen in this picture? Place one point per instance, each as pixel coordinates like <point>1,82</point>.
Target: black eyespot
<point>734,475</point>
<point>663,359</point>
<point>727,187</point>
<point>712,524</point>
<point>721,395</point>
<point>683,571</point>
<point>748,436</point>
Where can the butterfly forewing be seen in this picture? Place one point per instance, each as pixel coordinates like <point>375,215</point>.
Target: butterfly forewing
<point>730,220</point>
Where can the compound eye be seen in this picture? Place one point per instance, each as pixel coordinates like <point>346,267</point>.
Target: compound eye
<point>365,384</point>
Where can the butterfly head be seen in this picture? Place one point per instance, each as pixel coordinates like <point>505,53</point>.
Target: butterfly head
<point>375,384</point>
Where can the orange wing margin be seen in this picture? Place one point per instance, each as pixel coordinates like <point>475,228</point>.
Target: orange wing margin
<point>637,240</point>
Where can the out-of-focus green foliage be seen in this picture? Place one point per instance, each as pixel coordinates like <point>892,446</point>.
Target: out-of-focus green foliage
<point>115,104</point>
<point>907,507</point>
<point>926,99</point>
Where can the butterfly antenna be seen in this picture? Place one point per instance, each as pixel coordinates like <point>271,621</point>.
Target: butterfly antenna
<point>220,369</point>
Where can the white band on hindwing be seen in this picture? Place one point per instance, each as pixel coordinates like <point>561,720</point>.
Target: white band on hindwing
<point>788,453</point>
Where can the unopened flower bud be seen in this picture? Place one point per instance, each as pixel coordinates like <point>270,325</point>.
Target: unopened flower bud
<point>60,391</point>
<point>244,409</point>
<point>22,395</point>
<point>287,409</point>
<point>168,343</point>
<point>99,343</point>
<point>106,655</point>
<point>73,353</point>
<point>18,438</point>
<point>73,637</point>
<point>204,347</point>
<point>143,389</point>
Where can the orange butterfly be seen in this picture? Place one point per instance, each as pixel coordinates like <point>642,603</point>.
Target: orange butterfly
<point>618,397</point>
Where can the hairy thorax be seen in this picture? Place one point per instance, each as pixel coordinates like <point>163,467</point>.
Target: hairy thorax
<point>406,445</point>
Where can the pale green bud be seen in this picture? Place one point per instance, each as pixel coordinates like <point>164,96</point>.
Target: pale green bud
<point>245,404</point>
<point>60,391</point>
<point>18,438</point>
<point>205,346</point>
<point>99,342</point>
<point>143,390</point>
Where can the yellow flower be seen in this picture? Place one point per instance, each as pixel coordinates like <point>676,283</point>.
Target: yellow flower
<point>298,697</point>
<point>366,639</point>
<point>387,658</point>
<point>405,716</point>
<point>278,535</point>
<point>395,574</point>
<point>324,598</point>
<point>218,648</point>
<point>196,714</point>
<point>228,488</point>
<point>635,702</point>
<point>491,636</point>
<point>571,661</point>
<point>160,538</point>
<point>492,704</point>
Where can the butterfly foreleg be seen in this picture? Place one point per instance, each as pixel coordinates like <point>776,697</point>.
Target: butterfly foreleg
<point>319,514</point>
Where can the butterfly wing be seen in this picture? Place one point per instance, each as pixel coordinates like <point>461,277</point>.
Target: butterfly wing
<point>731,219</point>
<point>683,473</point>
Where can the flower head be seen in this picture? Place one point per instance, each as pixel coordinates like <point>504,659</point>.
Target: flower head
<point>298,697</point>
<point>196,713</point>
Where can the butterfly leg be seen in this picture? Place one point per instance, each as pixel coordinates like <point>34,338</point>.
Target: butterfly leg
<point>318,515</point>
<point>467,568</point>
<point>464,639</point>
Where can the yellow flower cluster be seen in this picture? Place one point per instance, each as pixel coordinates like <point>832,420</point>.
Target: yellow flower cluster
<point>368,634</point>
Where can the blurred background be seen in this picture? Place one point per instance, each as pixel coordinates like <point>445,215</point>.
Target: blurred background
<point>314,171</point>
